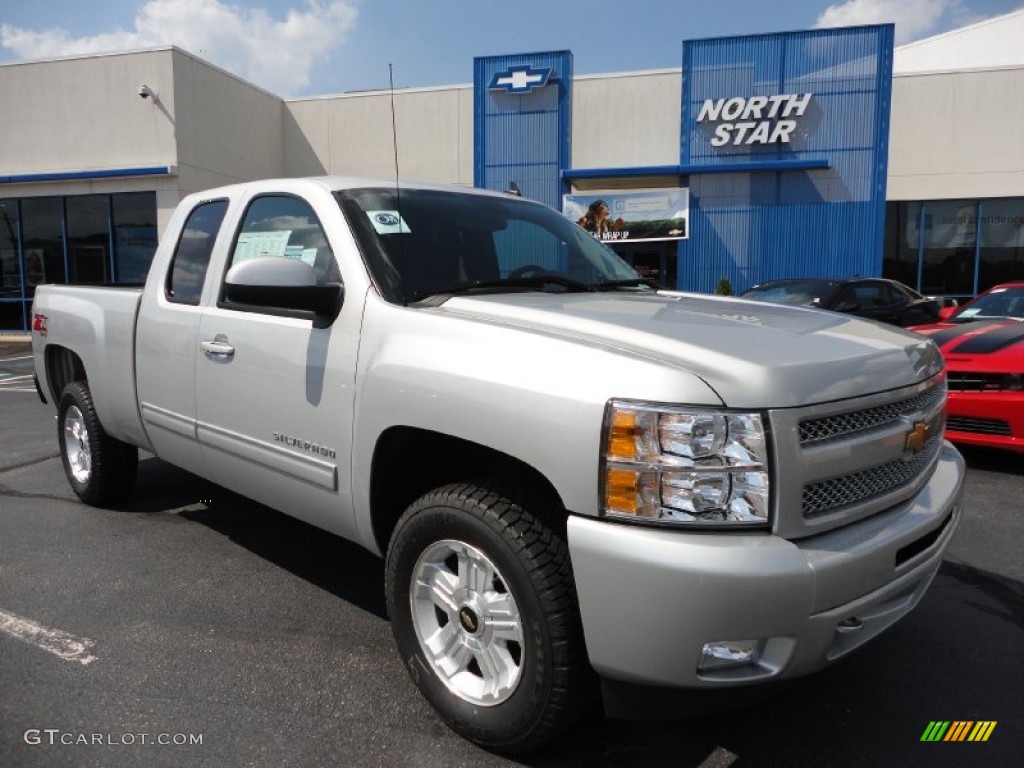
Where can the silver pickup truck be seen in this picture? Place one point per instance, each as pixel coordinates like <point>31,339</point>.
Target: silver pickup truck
<point>585,488</point>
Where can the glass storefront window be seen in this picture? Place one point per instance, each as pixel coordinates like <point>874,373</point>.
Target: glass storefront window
<point>1001,255</point>
<point>135,235</point>
<point>10,265</point>
<point>42,229</point>
<point>12,315</point>
<point>949,239</point>
<point>88,226</point>
<point>33,250</point>
<point>902,242</point>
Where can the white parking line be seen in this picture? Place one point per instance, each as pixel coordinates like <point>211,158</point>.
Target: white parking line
<point>5,377</point>
<point>12,359</point>
<point>55,641</point>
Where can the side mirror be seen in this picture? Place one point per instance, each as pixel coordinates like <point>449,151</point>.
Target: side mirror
<point>279,283</point>
<point>947,312</point>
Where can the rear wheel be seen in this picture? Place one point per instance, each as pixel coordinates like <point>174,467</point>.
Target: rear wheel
<point>100,468</point>
<point>483,609</point>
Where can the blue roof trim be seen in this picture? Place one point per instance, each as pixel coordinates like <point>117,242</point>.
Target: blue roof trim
<point>757,165</point>
<point>103,173</point>
<point>611,173</point>
<point>683,170</point>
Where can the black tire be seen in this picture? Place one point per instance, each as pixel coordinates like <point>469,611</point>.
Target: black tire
<point>100,468</point>
<point>554,685</point>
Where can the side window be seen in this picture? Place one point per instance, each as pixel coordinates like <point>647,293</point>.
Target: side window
<point>891,295</point>
<point>286,227</point>
<point>192,255</point>
<point>869,295</point>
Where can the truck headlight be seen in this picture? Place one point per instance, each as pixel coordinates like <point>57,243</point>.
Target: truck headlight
<point>687,465</point>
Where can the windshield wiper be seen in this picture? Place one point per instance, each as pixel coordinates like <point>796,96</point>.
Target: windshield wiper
<point>531,283</point>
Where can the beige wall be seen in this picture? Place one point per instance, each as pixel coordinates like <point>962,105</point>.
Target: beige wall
<point>626,120</point>
<point>227,130</point>
<point>85,113</point>
<point>351,135</point>
<point>957,135</point>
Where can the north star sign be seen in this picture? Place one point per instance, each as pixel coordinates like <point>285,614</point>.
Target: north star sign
<point>754,120</point>
<point>520,79</point>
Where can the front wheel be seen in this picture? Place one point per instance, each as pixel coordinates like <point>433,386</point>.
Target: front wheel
<point>483,609</point>
<point>100,468</point>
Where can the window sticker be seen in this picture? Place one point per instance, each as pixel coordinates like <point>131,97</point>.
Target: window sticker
<point>301,253</point>
<point>388,222</point>
<point>969,312</point>
<point>253,244</point>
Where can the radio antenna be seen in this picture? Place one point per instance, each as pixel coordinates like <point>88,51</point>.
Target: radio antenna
<point>394,129</point>
<point>398,189</point>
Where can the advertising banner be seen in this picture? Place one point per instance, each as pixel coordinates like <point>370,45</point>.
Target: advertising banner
<point>632,216</point>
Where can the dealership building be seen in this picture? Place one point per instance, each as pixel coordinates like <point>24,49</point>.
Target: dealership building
<point>810,153</point>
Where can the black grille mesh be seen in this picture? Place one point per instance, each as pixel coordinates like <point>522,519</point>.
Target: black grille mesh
<point>846,424</point>
<point>829,495</point>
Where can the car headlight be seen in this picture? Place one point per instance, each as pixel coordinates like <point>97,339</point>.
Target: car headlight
<point>685,465</point>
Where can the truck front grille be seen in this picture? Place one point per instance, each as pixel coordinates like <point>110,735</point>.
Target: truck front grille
<point>846,460</point>
<point>856,422</point>
<point>838,492</point>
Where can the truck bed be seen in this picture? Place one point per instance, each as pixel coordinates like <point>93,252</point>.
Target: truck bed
<point>98,323</point>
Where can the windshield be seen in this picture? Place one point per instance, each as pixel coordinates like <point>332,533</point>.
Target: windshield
<point>997,303</point>
<point>423,243</point>
<point>798,293</point>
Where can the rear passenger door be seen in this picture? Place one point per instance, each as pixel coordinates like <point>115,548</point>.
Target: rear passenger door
<point>275,395</point>
<point>167,340</point>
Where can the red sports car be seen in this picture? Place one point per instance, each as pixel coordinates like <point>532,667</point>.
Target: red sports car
<point>983,344</point>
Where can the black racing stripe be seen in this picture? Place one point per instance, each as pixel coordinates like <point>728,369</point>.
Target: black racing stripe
<point>946,335</point>
<point>998,337</point>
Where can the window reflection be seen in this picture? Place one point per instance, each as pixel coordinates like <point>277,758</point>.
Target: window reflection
<point>43,241</point>
<point>10,265</point>
<point>1001,256</point>
<point>135,235</point>
<point>88,222</point>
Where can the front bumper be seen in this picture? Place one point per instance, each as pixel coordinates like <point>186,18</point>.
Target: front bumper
<point>989,419</point>
<point>650,599</point>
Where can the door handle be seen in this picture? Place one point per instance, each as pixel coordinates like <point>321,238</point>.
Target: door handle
<point>218,347</point>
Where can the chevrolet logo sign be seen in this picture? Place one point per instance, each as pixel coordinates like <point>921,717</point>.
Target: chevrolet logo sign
<point>520,79</point>
<point>917,437</point>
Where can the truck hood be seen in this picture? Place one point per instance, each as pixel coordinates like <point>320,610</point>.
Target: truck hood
<point>752,354</point>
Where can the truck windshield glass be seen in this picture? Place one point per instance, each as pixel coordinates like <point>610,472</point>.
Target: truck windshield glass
<point>423,243</point>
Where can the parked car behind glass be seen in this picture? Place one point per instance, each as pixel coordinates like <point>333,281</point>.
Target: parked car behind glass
<point>873,298</point>
<point>983,343</point>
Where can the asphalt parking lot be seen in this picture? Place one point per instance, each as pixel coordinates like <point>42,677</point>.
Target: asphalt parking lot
<point>199,613</point>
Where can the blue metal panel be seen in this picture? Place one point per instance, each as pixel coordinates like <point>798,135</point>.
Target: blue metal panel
<point>807,219</point>
<point>521,133</point>
<point>101,173</point>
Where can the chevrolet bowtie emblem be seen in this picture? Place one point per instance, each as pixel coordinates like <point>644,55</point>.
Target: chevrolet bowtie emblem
<point>917,437</point>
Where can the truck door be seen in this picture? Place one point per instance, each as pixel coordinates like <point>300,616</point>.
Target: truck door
<point>167,340</point>
<point>274,394</point>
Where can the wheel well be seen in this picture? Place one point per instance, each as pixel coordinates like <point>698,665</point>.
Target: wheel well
<point>408,462</point>
<point>62,367</point>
